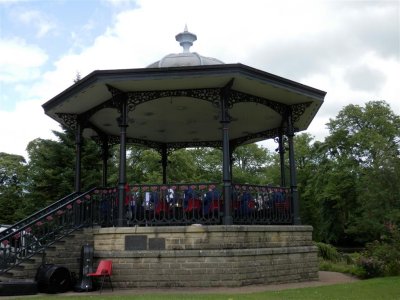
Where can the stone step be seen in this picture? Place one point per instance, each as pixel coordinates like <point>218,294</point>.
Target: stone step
<point>71,244</point>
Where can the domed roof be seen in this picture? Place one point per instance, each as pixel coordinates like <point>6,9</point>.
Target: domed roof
<point>186,58</point>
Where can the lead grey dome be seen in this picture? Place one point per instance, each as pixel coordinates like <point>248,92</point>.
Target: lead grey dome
<point>186,58</point>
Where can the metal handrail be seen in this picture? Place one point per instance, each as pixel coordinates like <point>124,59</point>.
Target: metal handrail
<point>36,215</point>
<point>42,229</point>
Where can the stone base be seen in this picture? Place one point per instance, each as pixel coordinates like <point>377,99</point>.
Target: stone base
<point>207,256</point>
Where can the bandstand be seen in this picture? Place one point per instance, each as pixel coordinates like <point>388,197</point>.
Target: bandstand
<point>186,234</point>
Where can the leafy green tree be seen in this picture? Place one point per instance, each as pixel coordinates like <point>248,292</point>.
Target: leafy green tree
<point>52,168</point>
<point>308,160</point>
<point>355,185</point>
<point>368,138</point>
<point>190,165</point>
<point>250,164</point>
<point>194,165</point>
<point>207,163</point>
<point>13,172</point>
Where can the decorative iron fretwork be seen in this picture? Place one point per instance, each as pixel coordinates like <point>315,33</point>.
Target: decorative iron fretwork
<point>106,104</point>
<point>281,147</point>
<point>207,94</point>
<point>117,96</point>
<point>114,91</point>
<point>289,129</point>
<point>112,140</point>
<point>150,144</point>
<point>71,120</point>
<point>238,97</point>
<point>267,134</point>
<point>212,95</point>
<point>168,150</point>
<point>298,110</point>
<point>138,97</point>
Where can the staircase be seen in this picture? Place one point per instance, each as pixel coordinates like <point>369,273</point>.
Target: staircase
<point>58,230</point>
<point>65,252</point>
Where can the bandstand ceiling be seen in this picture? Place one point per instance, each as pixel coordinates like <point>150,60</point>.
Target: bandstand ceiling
<point>178,106</point>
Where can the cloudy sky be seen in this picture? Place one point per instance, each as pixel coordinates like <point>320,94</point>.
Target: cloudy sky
<point>350,49</point>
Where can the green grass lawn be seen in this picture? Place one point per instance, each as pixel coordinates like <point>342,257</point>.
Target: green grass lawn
<point>374,289</point>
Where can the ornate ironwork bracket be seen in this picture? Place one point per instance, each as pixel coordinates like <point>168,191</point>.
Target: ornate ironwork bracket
<point>71,120</point>
<point>240,97</point>
<point>212,95</point>
<point>298,110</point>
<point>167,149</point>
<point>114,140</point>
<point>117,97</point>
<point>207,94</point>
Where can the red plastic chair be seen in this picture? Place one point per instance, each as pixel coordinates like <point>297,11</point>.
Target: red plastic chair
<point>104,270</point>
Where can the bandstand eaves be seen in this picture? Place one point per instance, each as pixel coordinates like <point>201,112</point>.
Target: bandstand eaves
<point>179,105</point>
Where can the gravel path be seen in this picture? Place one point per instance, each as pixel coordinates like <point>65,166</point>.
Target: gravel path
<point>325,278</point>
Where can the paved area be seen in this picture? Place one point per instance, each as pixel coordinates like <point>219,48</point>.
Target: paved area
<point>325,278</point>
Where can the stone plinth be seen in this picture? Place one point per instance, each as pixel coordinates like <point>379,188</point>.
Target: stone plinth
<point>204,256</point>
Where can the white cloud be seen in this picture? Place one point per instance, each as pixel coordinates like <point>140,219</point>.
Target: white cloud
<point>23,125</point>
<point>317,43</point>
<point>363,77</point>
<point>19,61</point>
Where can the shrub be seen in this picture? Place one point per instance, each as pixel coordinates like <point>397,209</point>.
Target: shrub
<point>382,258</point>
<point>342,267</point>
<point>371,266</point>
<point>328,252</point>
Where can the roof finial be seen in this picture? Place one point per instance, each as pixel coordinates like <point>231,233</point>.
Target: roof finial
<point>186,39</point>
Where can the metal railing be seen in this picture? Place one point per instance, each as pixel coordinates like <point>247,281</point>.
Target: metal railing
<point>256,204</point>
<point>35,233</point>
<point>144,205</point>
<point>175,204</point>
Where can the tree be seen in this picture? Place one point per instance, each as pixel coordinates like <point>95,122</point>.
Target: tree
<point>250,164</point>
<point>13,172</point>
<point>308,159</point>
<point>356,180</point>
<point>52,168</point>
<point>369,138</point>
<point>195,165</point>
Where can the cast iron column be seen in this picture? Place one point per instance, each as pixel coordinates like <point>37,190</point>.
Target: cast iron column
<point>78,153</point>
<point>292,164</point>
<point>231,149</point>
<point>123,124</point>
<point>164,163</point>
<point>281,150</point>
<point>105,153</point>
<point>226,171</point>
